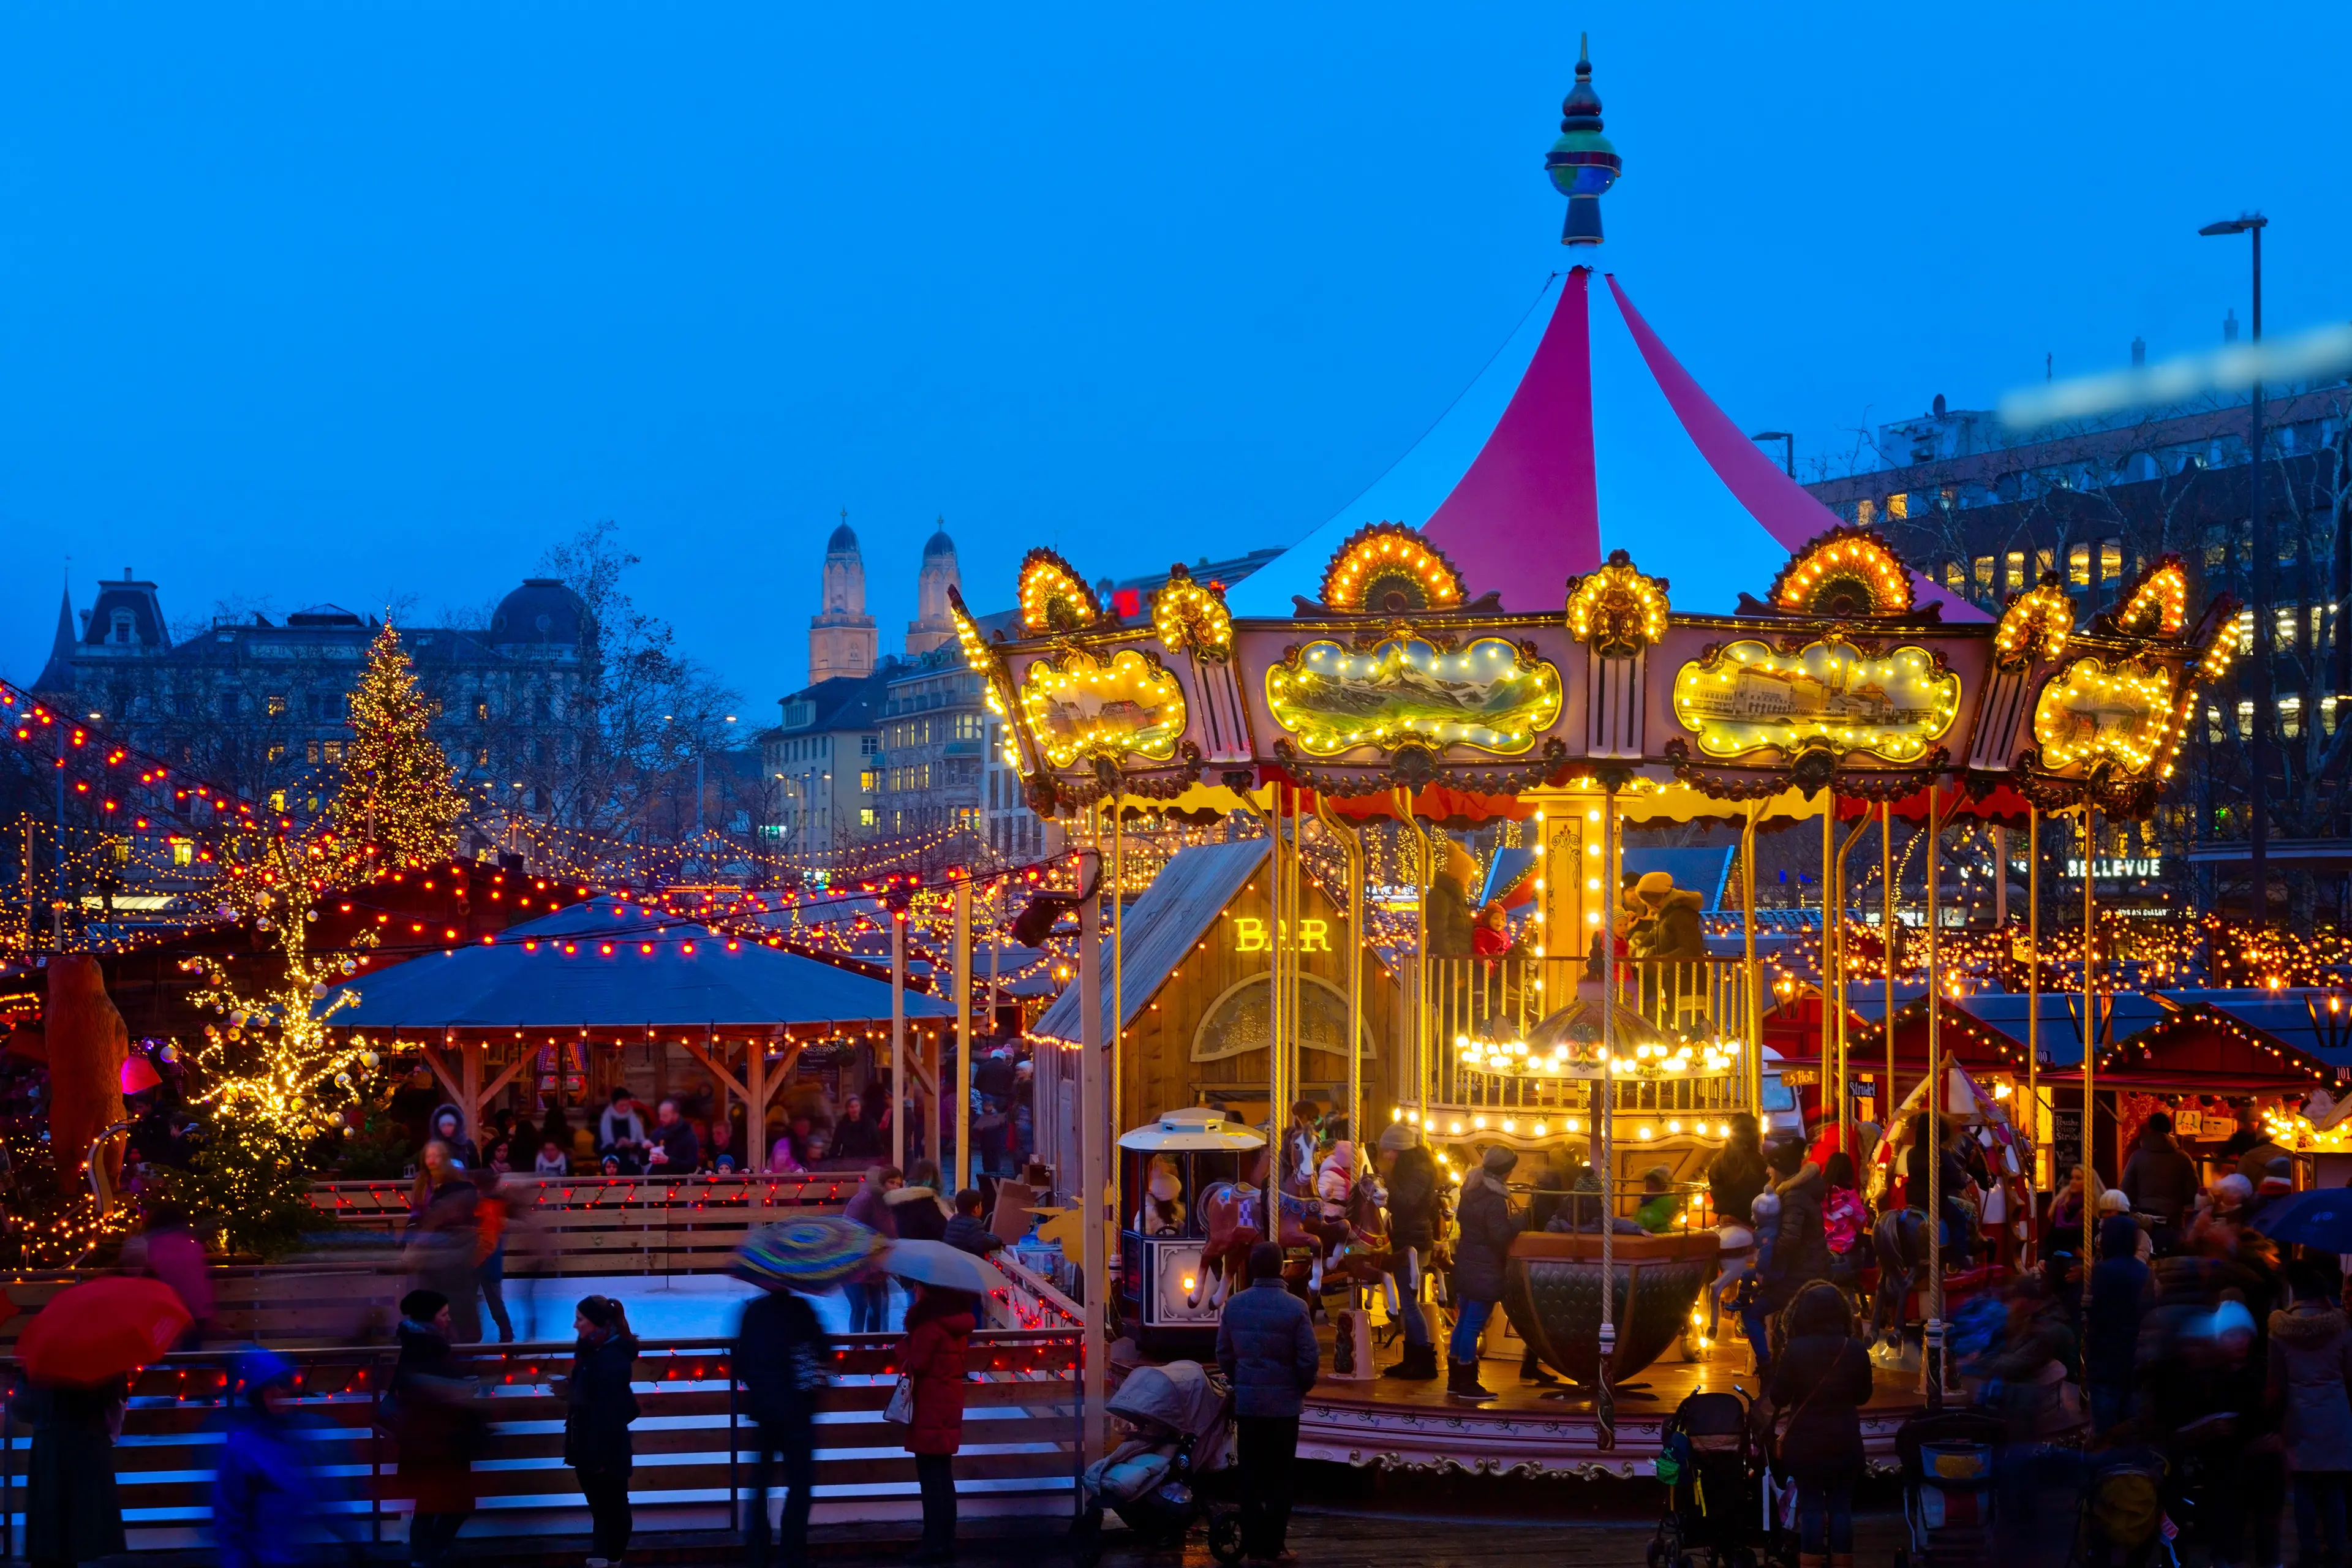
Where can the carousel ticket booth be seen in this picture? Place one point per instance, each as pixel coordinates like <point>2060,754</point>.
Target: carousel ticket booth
<point>1176,1176</point>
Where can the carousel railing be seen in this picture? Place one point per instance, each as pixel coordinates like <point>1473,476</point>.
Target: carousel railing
<point>1478,1005</point>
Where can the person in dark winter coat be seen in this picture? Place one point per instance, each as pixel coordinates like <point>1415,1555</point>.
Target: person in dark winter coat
<point>1822,1379</point>
<point>600,1405</point>
<point>2310,1363</point>
<point>1488,1228</point>
<point>939,1325</point>
<point>444,1228</point>
<point>780,1359</point>
<point>436,1427</point>
<point>72,1513</point>
<point>2122,1289</point>
<point>674,1150</point>
<point>1801,1251</point>
<point>967,1231</point>
<point>1410,1176</point>
<point>1265,1347</point>
<point>2160,1180</point>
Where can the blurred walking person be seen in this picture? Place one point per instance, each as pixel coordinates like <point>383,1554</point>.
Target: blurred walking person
<point>1484,1213</point>
<point>492,1213</point>
<point>600,1405</point>
<point>940,1324</point>
<point>437,1426</point>
<point>266,1498</point>
<point>442,1230</point>
<point>2310,1363</point>
<point>779,1354</point>
<point>1266,1348</point>
<point>2122,1289</point>
<point>869,1290</point>
<point>1412,1204</point>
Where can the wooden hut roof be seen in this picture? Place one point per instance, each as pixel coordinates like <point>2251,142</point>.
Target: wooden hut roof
<point>1184,900</point>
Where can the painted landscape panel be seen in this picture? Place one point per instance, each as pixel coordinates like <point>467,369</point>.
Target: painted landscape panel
<point>1487,695</point>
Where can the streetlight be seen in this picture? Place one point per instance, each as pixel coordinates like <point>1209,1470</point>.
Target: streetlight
<point>2266,611</point>
<point>1787,448</point>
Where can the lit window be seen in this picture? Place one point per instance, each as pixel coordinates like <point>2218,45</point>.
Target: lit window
<point>125,630</point>
<point>1956,577</point>
<point>2111,559</point>
<point>310,751</point>
<point>278,800</point>
<point>1984,573</point>
<point>276,752</point>
<point>2290,712</point>
<point>2245,624</point>
<point>2015,560</point>
<point>865,817</point>
<point>275,706</point>
<point>2078,565</point>
<point>334,750</point>
<point>1865,512</point>
<point>2287,625</point>
<point>184,852</point>
<point>1898,507</point>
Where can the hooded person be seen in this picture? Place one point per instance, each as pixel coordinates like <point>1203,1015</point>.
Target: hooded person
<point>1488,1228</point>
<point>1821,1377</point>
<point>2310,1363</point>
<point>1450,921</point>
<point>915,1208</point>
<point>264,1494</point>
<point>448,1125</point>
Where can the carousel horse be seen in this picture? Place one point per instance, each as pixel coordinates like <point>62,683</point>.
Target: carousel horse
<point>1899,1244</point>
<point>1231,1214</point>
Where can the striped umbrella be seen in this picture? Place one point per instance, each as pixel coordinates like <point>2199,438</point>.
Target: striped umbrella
<point>813,1254</point>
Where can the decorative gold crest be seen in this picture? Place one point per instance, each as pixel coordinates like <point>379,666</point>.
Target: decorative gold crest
<point>2038,620</point>
<point>1388,569</point>
<point>1053,598</point>
<point>1846,573</point>
<point>1190,615</point>
<point>1616,611</point>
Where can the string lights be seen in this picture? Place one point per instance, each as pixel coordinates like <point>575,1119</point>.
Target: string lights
<point>1083,707</point>
<point>1489,695</point>
<point>1845,572</point>
<point>1745,697</point>
<point>1389,569</point>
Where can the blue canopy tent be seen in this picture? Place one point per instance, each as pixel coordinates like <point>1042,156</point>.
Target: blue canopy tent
<point>606,967</point>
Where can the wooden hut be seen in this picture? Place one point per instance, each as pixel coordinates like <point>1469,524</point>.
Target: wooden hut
<point>1196,985</point>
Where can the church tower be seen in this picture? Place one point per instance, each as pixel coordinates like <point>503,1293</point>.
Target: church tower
<point>931,629</point>
<point>842,636</point>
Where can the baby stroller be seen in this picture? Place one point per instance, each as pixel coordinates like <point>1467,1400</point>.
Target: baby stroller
<point>2124,1520</point>
<point>1182,1416</point>
<point>1948,1486</point>
<point>1707,1457</point>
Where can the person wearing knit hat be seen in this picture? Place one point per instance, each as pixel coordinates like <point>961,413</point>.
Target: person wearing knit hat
<point>1488,1226</point>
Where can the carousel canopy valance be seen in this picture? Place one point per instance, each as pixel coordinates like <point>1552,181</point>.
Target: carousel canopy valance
<point>607,963</point>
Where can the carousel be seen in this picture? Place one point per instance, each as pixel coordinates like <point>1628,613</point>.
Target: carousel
<point>1508,627</point>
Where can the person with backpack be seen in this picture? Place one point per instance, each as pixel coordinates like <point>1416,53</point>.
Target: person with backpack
<point>1818,1385</point>
<point>601,1405</point>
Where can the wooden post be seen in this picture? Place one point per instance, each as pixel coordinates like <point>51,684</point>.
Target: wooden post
<point>898,1036</point>
<point>471,1068</point>
<point>960,1174</point>
<point>1094,1141</point>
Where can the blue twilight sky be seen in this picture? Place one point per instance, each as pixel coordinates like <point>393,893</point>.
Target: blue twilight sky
<point>350,301</point>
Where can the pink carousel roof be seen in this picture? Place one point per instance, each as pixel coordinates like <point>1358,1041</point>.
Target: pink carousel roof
<point>1530,478</point>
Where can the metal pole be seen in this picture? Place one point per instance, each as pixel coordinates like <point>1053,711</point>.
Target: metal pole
<point>1933,1358</point>
<point>2265,632</point>
<point>964,1175</point>
<point>1887,1100</point>
<point>1277,1110</point>
<point>897,1035</point>
<point>1829,945</point>
<point>1117,960</point>
<point>1999,878</point>
<point>1753,1078</point>
<point>2033,1017</point>
<point>1605,1396</point>
<point>2089,1050</point>
<point>1094,1122</point>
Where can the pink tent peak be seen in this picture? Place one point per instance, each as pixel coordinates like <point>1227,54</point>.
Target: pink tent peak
<point>1755,481</point>
<point>1526,517</point>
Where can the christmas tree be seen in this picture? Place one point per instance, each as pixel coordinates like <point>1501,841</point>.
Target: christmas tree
<point>396,791</point>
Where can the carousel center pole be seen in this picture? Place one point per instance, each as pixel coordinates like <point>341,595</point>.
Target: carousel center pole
<point>1932,1358</point>
<point>1420,880</point>
<point>2034,1016</point>
<point>1278,1108</point>
<point>2089,1050</point>
<point>1603,1141</point>
<point>1353,840</point>
<point>1845,1045</point>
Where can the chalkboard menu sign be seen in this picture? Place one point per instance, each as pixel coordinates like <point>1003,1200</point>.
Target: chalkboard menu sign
<point>2066,1138</point>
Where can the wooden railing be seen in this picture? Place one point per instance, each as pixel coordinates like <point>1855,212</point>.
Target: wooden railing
<point>692,1442</point>
<point>611,1225</point>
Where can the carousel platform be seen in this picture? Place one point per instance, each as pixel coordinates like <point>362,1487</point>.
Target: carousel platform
<point>1388,1424</point>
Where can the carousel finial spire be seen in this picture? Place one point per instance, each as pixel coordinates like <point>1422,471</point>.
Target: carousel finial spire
<point>1582,163</point>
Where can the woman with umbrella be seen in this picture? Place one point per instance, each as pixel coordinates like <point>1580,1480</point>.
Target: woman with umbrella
<point>76,1357</point>
<point>780,1360</point>
<point>948,1284</point>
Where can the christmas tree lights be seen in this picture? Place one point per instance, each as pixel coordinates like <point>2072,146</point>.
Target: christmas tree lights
<point>395,790</point>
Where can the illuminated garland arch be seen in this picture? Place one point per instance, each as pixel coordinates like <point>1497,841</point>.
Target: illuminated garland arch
<point>1388,569</point>
<point>1617,611</point>
<point>2042,615</point>
<point>2157,603</point>
<point>1054,597</point>
<point>1192,614</point>
<point>1845,572</point>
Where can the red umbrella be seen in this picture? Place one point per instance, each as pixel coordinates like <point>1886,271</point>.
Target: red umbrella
<point>92,1332</point>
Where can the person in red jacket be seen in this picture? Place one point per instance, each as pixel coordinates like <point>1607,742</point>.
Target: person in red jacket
<point>939,1325</point>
